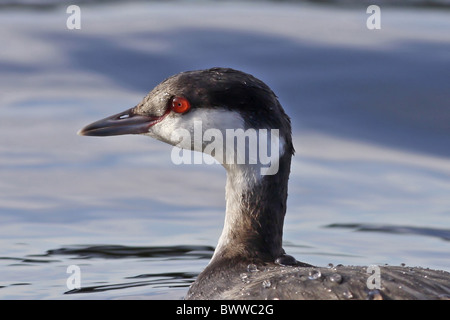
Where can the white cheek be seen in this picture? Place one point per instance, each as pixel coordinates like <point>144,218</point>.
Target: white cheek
<point>216,119</point>
<point>187,131</point>
<point>164,130</point>
<point>208,130</point>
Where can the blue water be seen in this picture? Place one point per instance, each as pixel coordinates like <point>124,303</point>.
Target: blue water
<point>370,113</point>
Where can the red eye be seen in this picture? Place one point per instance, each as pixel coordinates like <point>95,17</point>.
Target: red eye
<point>180,105</point>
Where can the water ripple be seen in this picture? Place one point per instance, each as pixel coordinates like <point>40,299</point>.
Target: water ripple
<point>443,234</point>
<point>120,251</point>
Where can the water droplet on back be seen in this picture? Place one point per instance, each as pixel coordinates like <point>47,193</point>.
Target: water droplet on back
<point>314,274</point>
<point>336,278</point>
<point>347,294</point>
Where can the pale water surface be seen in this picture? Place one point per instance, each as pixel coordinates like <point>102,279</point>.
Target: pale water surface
<point>371,118</point>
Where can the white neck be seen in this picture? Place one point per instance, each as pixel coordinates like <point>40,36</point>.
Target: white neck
<point>255,209</point>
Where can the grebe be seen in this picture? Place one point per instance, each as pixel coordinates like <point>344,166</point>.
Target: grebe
<point>249,261</point>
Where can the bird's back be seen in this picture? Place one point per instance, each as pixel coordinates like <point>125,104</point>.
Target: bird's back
<point>311,283</point>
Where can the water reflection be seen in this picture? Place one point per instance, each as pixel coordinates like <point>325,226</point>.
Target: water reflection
<point>121,252</point>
